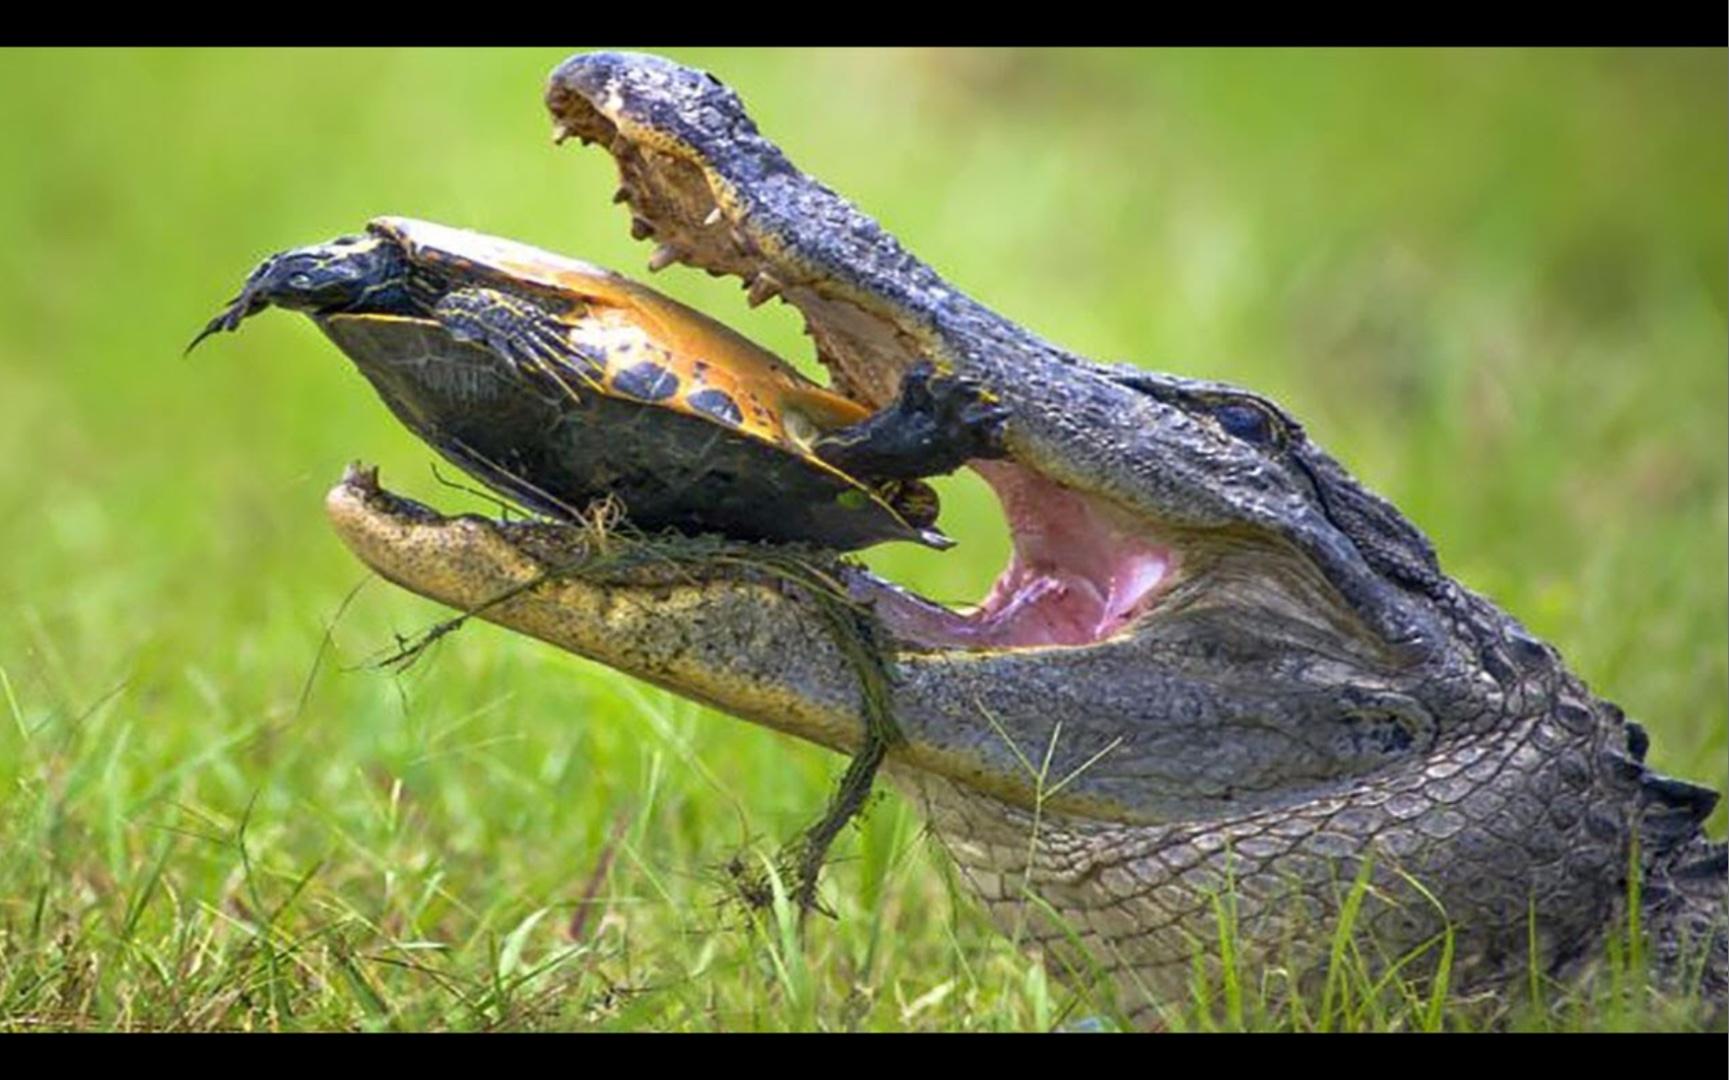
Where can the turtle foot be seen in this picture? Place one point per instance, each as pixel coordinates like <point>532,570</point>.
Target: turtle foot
<point>934,426</point>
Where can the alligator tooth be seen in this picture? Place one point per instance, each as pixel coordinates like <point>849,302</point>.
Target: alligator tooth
<point>640,229</point>
<point>664,256</point>
<point>713,216</point>
<point>763,288</point>
<point>622,195</point>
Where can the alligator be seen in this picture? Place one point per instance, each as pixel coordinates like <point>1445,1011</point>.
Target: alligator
<point>1221,693</point>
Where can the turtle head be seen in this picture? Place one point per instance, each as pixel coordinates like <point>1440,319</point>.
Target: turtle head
<point>351,273</point>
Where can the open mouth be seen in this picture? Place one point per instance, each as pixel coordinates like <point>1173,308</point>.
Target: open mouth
<point>1081,570</point>
<point>557,383</point>
<point>1078,572</point>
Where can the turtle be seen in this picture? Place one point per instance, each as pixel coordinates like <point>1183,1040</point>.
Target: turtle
<point>557,383</point>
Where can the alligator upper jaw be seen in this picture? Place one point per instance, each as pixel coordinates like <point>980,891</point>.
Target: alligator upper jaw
<point>713,193</point>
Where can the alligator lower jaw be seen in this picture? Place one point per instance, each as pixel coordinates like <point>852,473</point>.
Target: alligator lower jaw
<point>1078,573</point>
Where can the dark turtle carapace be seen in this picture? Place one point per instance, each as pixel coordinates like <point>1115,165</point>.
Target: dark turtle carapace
<point>557,383</point>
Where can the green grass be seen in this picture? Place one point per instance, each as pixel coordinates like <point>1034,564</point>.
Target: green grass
<point>1493,283</point>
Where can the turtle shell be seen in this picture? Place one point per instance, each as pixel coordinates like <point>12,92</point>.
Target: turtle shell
<point>558,383</point>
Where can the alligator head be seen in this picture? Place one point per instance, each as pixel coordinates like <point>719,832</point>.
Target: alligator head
<point>1215,664</point>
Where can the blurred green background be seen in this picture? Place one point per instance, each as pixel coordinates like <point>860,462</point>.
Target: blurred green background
<point>1493,283</point>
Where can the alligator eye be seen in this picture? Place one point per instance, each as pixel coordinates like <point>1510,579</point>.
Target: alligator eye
<point>1246,422</point>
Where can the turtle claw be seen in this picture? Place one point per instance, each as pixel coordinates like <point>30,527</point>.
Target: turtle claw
<point>220,323</point>
<point>934,426</point>
<point>524,335</point>
<point>239,309</point>
<point>247,304</point>
<point>936,539</point>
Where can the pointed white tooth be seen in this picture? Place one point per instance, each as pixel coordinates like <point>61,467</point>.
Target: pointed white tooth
<point>664,256</point>
<point>763,288</point>
<point>560,132</point>
<point>713,216</point>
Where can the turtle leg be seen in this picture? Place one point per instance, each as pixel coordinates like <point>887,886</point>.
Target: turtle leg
<point>935,425</point>
<point>526,335</point>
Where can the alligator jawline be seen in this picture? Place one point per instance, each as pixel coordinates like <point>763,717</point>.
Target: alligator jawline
<point>1078,572</point>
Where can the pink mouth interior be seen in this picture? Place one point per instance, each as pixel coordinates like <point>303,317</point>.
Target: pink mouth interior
<point>1079,573</point>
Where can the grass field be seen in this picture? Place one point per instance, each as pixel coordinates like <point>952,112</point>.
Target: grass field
<point>1492,283</point>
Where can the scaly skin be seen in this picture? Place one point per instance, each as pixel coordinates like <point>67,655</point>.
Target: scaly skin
<point>1302,705</point>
